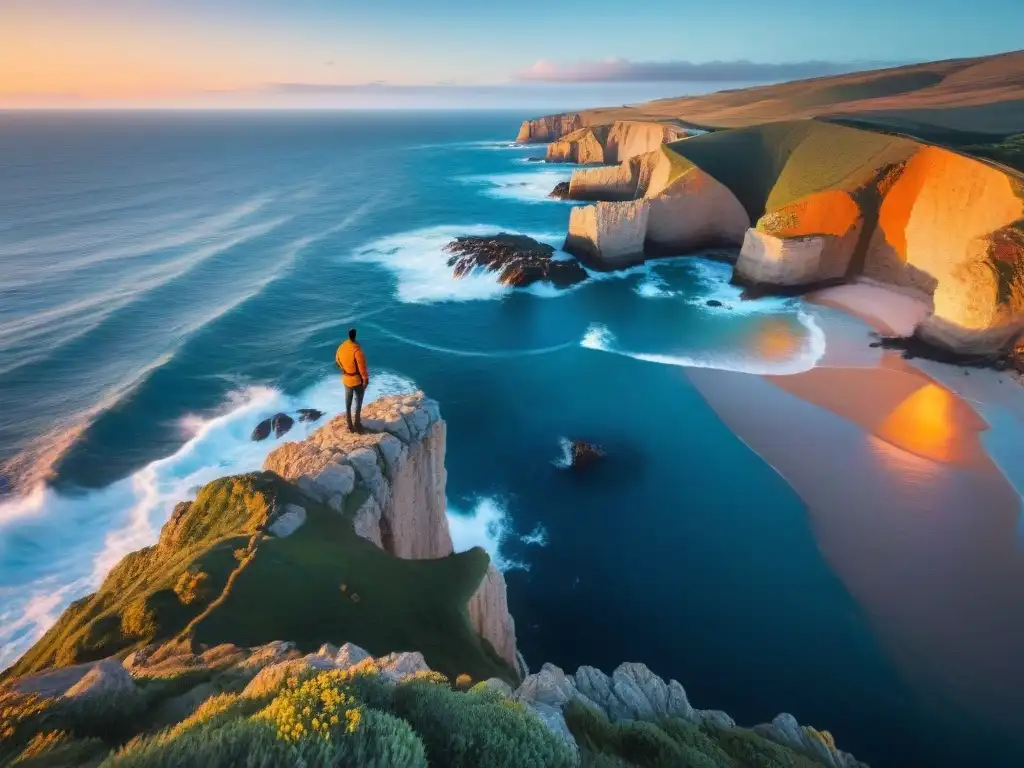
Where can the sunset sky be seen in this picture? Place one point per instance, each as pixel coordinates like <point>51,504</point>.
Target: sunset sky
<point>452,53</point>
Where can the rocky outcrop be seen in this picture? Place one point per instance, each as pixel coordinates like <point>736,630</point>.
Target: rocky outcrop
<point>630,138</point>
<point>560,192</point>
<point>518,260</point>
<point>548,128</point>
<point>585,147</point>
<point>391,481</point>
<point>309,414</point>
<point>616,142</point>
<point>608,235</point>
<point>634,692</point>
<point>583,454</point>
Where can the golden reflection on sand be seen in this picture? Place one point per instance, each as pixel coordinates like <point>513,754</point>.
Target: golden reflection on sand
<point>775,339</point>
<point>924,424</point>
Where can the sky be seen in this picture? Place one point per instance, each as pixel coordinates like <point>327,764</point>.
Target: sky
<point>462,53</point>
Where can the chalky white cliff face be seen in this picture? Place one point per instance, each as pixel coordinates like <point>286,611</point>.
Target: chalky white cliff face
<point>391,480</point>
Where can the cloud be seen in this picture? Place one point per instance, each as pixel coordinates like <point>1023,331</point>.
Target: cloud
<point>739,71</point>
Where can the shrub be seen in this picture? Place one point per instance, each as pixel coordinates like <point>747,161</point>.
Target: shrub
<point>138,620</point>
<point>379,740</point>
<point>240,742</point>
<point>191,586</point>
<point>750,749</point>
<point>318,706</point>
<point>58,748</point>
<point>477,729</point>
<point>668,743</point>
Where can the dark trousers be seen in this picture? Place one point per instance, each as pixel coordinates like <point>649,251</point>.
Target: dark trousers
<point>357,391</point>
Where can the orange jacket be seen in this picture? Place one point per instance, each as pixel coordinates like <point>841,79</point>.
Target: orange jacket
<point>352,361</point>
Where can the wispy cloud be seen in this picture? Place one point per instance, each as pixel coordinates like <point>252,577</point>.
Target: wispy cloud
<point>625,71</point>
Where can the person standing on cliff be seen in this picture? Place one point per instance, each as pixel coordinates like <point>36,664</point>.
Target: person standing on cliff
<point>355,377</point>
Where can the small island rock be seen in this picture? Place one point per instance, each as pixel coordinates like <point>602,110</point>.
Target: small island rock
<point>309,414</point>
<point>561,191</point>
<point>282,422</point>
<point>262,430</point>
<point>584,454</point>
<point>519,260</point>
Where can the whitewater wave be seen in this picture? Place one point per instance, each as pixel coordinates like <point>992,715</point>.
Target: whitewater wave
<point>420,264</point>
<point>532,187</point>
<point>487,525</point>
<point>54,547</point>
<point>564,458</point>
<point>599,337</point>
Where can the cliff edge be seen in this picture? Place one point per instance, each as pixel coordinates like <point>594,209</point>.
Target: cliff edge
<point>342,537</point>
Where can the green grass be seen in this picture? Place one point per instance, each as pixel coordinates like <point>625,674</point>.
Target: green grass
<point>673,742</point>
<point>770,166</point>
<point>290,589</point>
<point>1008,151</point>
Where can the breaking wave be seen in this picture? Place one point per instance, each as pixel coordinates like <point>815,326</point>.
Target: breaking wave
<point>487,525</point>
<point>599,337</point>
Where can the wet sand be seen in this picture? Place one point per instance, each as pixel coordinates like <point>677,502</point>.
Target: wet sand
<point>905,501</point>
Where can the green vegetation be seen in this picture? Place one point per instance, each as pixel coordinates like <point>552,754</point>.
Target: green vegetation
<point>673,742</point>
<point>771,166</point>
<point>1009,151</point>
<point>465,730</point>
<point>352,718</point>
<point>193,585</point>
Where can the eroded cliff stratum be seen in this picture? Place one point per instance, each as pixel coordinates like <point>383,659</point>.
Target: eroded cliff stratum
<point>811,203</point>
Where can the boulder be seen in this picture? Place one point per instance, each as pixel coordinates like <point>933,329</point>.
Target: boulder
<point>107,681</point>
<point>549,686</point>
<point>262,430</point>
<point>281,422</point>
<point>561,191</point>
<point>289,521</point>
<point>309,414</point>
<point>713,303</point>
<point>519,260</point>
<point>583,454</point>
<point>349,655</point>
<point>399,666</point>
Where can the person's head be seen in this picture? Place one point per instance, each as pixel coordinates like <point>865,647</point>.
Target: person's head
<point>352,334</point>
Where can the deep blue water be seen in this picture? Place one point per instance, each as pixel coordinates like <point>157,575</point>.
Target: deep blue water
<point>169,279</point>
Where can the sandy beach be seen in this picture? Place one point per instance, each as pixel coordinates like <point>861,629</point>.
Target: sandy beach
<point>907,501</point>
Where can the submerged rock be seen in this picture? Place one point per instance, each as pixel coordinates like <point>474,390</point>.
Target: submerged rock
<point>262,430</point>
<point>282,422</point>
<point>535,159</point>
<point>584,453</point>
<point>310,414</point>
<point>519,260</point>
<point>713,303</point>
<point>561,191</point>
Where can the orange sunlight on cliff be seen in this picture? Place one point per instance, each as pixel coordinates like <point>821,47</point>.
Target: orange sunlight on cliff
<point>825,213</point>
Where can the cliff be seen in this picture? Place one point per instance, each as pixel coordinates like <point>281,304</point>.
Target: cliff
<point>828,204</point>
<point>396,472</point>
<point>343,536</point>
<point>612,143</point>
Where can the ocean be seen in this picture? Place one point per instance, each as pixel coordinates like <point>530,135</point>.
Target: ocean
<point>169,279</point>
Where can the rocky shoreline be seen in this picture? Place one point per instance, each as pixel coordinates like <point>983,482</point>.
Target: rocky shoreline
<point>389,486</point>
<point>907,215</point>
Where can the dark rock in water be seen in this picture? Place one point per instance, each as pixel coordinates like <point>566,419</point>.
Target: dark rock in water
<point>535,159</point>
<point>713,303</point>
<point>561,191</point>
<point>584,453</point>
<point>282,423</point>
<point>518,259</point>
<point>262,431</point>
<point>309,414</point>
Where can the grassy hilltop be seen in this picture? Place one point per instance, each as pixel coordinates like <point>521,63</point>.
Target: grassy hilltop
<point>216,577</point>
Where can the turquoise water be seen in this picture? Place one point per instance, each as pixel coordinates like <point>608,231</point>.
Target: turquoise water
<point>169,280</point>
